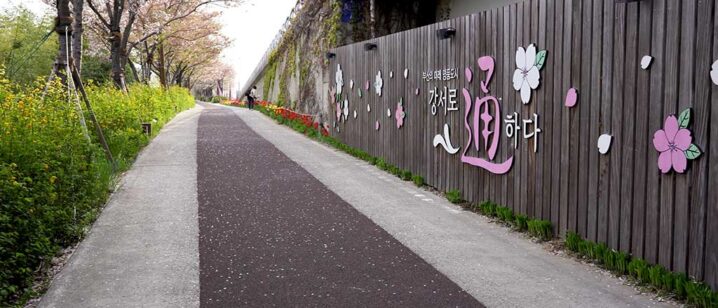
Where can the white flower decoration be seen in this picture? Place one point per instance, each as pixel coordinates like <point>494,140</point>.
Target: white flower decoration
<point>339,79</point>
<point>527,76</point>
<point>379,83</point>
<point>714,72</point>
<point>345,111</point>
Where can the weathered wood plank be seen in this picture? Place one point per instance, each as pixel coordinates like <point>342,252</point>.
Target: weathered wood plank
<point>573,154</point>
<point>711,248</point>
<point>653,178</point>
<point>643,137</point>
<point>604,173</point>
<point>628,142</point>
<point>549,105</point>
<point>584,117</point>
<point>543,103</point>
<point>619,49</point>
<point>505,63</point>
<point>555,133</point>
<point>595,103</point>
<point>565,117</point>
<point>531,179</point>
<point>701,127</point>
<point>670,96</point>
<point>686,97</point>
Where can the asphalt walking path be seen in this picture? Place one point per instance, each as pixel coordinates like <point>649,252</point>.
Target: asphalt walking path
<point>226,208</point>
<point>271,234</point>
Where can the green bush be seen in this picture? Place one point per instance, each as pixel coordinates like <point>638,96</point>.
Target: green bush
<point>418,180</point>
<point>218,99</point>
<point>638,269</point>
<point>454,196</point>
<point>680,285</point>
<point>381,164</point>
<point>585,248</point>
<point>622,260</point>
<point>616,261</point>
<point>394,170</point>
<point>406,175</point>
<point>541,229</point>
<point>572,241</point>
<point>700,295</point>
<point>521,222</point>
<point>655,275</point>
<point>667,282</point>
<point>598,251</point>
<point>52,180</point>
<point>505,214</point>
<point>488,208</point>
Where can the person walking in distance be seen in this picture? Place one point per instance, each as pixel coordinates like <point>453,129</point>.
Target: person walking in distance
<point>252,97</point>
<point>250,100</point>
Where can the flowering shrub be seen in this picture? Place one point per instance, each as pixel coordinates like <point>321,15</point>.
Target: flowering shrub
<point>234,102</point>
<point>52,180</point>
<point>303,123</point>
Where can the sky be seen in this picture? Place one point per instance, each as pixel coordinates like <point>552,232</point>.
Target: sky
<point>252,27</point>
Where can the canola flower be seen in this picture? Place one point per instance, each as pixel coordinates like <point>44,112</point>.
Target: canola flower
<point>52,180</point>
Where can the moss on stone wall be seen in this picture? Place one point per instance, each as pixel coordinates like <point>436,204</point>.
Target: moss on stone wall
<point>269,79</point>
<point>314,31</point>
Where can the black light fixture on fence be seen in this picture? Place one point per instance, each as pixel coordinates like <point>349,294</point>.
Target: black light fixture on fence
<point>446,33</point>
<point>369,46</point>
<point>331,55</point>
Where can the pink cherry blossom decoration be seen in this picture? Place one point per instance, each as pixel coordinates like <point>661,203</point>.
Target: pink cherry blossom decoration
<point>399,115</point>
<point>571,98</point>
<point>469,75</point>
<point>672,141</point>
<point>376,125</point>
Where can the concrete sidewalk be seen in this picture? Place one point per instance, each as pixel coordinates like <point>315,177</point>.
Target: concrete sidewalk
<point>142,251</point>
<point>496,266</point>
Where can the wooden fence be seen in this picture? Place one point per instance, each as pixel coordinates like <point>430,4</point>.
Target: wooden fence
<point>595,46</point>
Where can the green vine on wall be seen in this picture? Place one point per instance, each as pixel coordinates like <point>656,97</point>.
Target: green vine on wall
<point>310,53</point>
<point>269,78</point>
<point>334,24</point>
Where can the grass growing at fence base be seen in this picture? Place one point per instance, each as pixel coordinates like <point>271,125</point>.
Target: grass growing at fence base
<point>521,222</point>
<point>540,229</point>
<point>454,196</point>
<point>505,214</point>
<point>418,180</point>
<point>406,175</point>
<point>655,276</point>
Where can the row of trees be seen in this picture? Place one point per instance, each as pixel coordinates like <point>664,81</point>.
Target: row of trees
<point>179,41</point>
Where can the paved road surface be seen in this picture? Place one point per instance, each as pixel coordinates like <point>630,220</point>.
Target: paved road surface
<point>271,234</point>
<point>226,208</point>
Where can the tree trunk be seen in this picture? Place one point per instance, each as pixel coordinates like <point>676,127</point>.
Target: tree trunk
<point>134,70</point>
<point>148,63</point>
<point>63,27</point>
<point>77,32</point>
<point>161,65</point>
<point>118,72</point>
